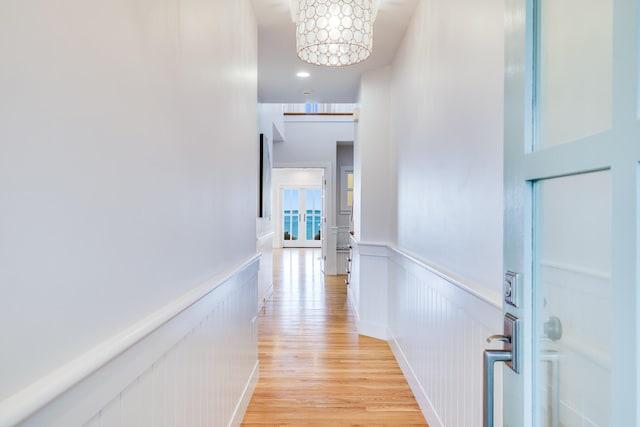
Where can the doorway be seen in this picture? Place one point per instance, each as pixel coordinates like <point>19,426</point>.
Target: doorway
<point>301,217</point>
<point>299,210</point>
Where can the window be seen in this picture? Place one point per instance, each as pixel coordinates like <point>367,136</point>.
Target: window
<point>346,189</point>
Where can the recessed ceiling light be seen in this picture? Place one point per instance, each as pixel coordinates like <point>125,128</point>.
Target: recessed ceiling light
<point>303,74</point>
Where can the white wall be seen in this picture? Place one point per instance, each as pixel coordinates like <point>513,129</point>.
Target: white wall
<point>429,144</point>
<point>374,162</point>
<point>447,99</point>
<point>126,128</point>
<point>270,125</point>
<point>445,275</point>
<point>311,141</point>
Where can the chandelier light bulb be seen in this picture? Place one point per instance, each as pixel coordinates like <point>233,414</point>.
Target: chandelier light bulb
<point>334,32</point>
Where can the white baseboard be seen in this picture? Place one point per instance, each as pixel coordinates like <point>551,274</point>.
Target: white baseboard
<point>265,298</point>
<point>247,393</point>
<point>419,392</point>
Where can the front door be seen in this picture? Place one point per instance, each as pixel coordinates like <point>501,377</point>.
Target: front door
<point>302,215</point>
<point>571,165</point>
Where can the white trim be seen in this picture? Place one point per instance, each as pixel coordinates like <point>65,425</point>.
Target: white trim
<point>34,397</point>
<point>419,392</point>
<point>373,249</point>
<point>353,304</point>
<point>478,291</point>
<point>261,239</point>
<point>265,298</point>
<point>316,119</point>
<point>466,285</point>
<point>247,393</point>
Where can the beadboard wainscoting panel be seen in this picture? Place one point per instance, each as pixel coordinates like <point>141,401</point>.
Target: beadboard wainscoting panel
<point>373,263</point>
<point>437,330</point>
<point>198,367</point>
<point>265,276</point>
<point>354,278</point>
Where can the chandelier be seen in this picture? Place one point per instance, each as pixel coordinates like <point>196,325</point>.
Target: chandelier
<point>334,32</point>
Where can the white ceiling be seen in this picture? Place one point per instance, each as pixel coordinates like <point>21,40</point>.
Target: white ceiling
<point>278,62</point>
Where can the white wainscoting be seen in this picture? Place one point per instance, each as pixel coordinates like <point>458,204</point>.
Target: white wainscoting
<point>370,286</point>
<point>354,279</point>
<point>192,363</point>
<point>265,276</point>
<point>437,329</point>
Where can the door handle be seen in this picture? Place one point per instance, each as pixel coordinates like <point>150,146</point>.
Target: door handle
<point>509,355</point>
<point>490,358</point>
<point>502,338</point>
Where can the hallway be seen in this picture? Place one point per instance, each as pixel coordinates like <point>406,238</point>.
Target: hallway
<point>314,367</point>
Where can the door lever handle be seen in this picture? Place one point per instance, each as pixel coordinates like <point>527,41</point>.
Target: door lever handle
<point>509,356</point>
<point>489,359</point>
<point>498,337</point>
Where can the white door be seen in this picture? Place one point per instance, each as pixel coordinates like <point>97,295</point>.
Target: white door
<point>302,215</point>
<point>572,156</point>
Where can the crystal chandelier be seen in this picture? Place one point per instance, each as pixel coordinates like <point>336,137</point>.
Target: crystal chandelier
<point>334,32</point>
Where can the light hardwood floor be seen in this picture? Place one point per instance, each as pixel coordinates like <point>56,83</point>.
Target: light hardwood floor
<point>315,370</point>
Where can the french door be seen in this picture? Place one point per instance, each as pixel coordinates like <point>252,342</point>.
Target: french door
<point>571,170</point>
<point>301,217</point>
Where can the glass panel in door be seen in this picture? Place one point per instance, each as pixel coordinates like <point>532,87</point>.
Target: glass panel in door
<point>290,215</point>
<point>302,215</point>
<point>574,62</point>
<point>571,218</point>
<point>313,213</point>
<point>572,300</point>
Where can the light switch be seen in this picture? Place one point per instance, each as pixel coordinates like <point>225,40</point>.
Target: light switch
<point>510,288</point>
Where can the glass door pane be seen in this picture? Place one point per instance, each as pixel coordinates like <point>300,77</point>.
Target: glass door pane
<point>302,216</point>
<point>313,213</point>
<point>290,214</point>
<point>572,300</point>
<point>573,69</point>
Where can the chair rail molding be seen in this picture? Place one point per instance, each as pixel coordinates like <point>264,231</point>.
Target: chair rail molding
<point>148,359</point>
<point>435,323</point>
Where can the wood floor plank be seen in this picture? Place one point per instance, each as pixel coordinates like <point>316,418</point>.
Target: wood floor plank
<point>315,370</point>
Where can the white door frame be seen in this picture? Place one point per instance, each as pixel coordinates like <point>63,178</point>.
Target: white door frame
<point>617,150</point>
<point>328,209</point>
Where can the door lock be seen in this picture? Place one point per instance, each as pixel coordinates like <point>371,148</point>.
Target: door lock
<point>510,288</point>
